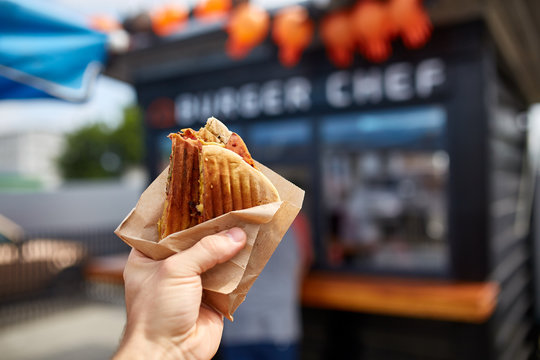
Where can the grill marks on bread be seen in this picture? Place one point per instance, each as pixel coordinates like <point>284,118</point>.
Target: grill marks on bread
<point>211,173</point>
<point>183,186</point>
<point>229,183</point>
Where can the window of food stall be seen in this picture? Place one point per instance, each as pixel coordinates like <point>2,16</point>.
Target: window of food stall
<point>384,189</point>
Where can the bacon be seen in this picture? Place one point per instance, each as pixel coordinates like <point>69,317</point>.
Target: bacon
<point>189,134</point>
<point>237,145</point>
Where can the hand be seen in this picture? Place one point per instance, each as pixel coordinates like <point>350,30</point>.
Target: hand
<point>165,317</point>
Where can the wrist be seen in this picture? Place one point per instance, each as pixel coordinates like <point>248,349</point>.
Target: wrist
<point>137,346</point>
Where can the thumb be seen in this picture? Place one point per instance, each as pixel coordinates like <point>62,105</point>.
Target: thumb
<point>209,251</point>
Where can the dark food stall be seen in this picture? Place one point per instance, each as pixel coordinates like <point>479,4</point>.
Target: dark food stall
<point>414,175</point>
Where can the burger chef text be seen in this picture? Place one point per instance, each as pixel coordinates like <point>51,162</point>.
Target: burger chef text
<point>396,82</point>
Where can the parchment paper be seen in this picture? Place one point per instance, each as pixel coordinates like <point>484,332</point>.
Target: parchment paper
<point>225,285</point>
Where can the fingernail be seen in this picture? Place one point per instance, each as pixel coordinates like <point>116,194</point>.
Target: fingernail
<point>235,234</point>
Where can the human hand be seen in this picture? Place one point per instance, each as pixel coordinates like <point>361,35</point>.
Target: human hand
<point>165,316</point>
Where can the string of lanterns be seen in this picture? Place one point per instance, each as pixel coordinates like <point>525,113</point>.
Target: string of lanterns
<point>366,26</point>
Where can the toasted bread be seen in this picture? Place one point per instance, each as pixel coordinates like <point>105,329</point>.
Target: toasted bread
<point>230,183</point>
<point>211,173</point>
<point>182,192</point>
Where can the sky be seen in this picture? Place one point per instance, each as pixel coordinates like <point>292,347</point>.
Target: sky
<point>123,8</point>
<point>120,8</point>
<point>107,101</point>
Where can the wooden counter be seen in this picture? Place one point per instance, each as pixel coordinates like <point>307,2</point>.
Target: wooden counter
<point>440,300</point>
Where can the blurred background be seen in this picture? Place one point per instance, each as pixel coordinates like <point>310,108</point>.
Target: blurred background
<point>412,125</point>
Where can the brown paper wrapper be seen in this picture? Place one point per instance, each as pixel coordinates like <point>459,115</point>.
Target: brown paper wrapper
<point>226,285</point>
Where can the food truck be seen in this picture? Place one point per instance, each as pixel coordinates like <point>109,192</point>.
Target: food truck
<point>414,170</point>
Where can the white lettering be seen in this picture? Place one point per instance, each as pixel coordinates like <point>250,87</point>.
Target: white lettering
<point>184,109</point>
<point>367,86</point>
<point>271,95</point>
<point>297,94</point>
<point>248,100</point>
<point>397,81</point>
<point>226,102</point>
<point>429,75</point>
<point>206,105</point>
<point>336,93</point>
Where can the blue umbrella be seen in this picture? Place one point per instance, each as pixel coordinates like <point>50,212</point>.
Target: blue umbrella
<point>46,51</point>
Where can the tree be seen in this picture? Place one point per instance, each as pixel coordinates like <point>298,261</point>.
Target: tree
<point>95,151</point>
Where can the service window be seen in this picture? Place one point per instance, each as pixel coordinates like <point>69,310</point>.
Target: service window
<point>384,188</point>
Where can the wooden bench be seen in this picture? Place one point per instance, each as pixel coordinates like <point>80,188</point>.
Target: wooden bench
<point>109,268</point>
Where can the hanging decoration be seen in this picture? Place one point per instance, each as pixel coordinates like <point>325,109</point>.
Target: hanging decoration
<point>373,29</point>
<point>247,27</point>
<point>335,32</point>
<point>209,10</point>
<point>169,19</point>
<point>412,22</point>
<point>366,26</point>
<point>292,32</point>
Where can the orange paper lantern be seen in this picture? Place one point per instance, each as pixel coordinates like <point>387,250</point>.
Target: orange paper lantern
<point>212,9</point>
<point>292,32</point>
<point>169,19</point>
<point>247,28</point>
<point>373,29</point>
<point>412,22</point>
<point>338,38</point>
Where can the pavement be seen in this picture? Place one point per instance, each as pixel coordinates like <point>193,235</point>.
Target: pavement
<point>85,330</point>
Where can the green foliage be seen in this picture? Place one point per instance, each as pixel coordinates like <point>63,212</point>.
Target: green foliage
<point>96,151</point>
<point>129,137</point>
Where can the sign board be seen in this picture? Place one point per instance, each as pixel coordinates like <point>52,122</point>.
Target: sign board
<point>298,93</point>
